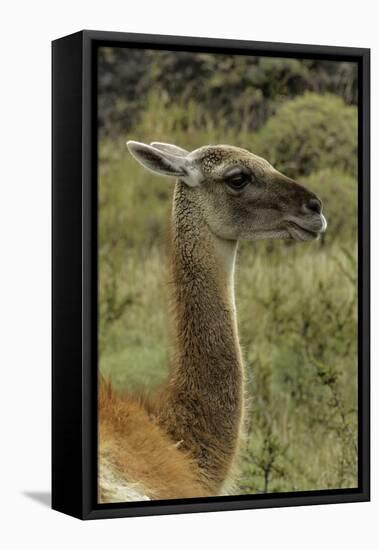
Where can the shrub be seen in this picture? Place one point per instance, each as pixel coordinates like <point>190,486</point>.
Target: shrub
<point>310,133</point>
<point>241,91</point>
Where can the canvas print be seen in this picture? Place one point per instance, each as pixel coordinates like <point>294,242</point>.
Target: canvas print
<point>227,274</point>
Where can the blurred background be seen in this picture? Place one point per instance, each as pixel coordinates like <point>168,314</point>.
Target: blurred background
<point>296,302</point>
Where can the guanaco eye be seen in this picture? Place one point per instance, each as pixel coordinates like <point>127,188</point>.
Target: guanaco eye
<point>237,180</point>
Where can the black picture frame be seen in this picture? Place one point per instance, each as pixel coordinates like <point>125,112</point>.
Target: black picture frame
<point>74,273</point>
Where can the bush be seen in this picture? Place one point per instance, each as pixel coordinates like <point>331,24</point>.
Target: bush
<point>310,133</point>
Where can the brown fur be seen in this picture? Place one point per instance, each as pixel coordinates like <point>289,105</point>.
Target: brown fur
<point>203,405</point>
<point>184,441</point>
<point>140,451</point>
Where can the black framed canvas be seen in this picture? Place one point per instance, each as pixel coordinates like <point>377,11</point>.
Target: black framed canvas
<point>185,380</point>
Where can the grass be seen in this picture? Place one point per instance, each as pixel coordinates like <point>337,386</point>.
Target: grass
<point>297,320</point>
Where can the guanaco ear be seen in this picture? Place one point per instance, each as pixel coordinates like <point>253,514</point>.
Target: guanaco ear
<point>169,148</point>
<point>165,163</point>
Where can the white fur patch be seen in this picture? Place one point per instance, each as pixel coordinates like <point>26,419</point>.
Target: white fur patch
<point>113,488</point>
<point>324,223</point>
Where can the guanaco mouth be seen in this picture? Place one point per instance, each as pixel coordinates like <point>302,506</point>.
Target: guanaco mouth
<point>302,232</point>
<point>299,233</point>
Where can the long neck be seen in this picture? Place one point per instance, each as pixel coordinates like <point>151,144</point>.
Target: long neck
<point>204,402</point>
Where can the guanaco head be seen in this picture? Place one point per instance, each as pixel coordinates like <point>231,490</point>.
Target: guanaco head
<point>241,195</point>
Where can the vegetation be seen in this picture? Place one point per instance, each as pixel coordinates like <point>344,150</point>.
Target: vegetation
<point>310,133</point>
<point>297,302</point>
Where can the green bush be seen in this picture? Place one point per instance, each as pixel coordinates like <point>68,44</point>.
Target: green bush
<point>238,91</point>
<point>310,133</point>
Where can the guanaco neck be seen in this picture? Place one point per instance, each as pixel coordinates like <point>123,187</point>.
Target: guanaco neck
<point>204,402</point>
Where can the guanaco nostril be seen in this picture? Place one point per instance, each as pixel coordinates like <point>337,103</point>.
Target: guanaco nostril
<point>314,205</point>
